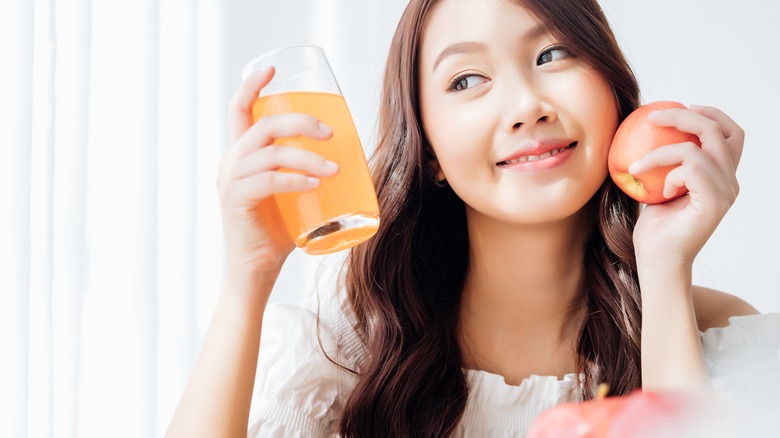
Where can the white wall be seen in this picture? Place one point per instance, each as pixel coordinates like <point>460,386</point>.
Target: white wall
<point>720,53</point>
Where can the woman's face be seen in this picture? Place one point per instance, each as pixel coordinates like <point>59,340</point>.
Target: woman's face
<point>519,126</point>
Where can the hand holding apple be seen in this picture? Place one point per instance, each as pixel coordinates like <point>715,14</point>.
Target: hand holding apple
<point>637,136</point>
<point>674,231</point>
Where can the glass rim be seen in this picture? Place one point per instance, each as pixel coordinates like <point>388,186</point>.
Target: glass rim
<point>248,67</point>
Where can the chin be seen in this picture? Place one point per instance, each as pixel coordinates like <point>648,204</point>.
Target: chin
<point>551,203</point>
<point>543,214</point>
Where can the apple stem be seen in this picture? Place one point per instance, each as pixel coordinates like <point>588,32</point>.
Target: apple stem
<point>602,391</point>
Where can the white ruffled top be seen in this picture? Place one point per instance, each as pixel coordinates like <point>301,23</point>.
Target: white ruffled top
<point>300,393</point>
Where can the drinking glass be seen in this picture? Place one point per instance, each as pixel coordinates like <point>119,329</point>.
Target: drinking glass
<point>342,212</point>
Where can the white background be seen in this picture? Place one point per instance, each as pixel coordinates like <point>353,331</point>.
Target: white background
<point>719,53</point>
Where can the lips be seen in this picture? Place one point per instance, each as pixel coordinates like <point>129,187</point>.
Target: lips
<point>538,152</point>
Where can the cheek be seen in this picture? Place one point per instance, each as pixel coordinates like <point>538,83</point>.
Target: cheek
<point>591,101</point>
<point>601,109</point>
<point>607,114</point>
<point>605,121</point>
<point>456,136</point>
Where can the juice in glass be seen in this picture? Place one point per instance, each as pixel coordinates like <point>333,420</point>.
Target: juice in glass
<point>342,212</point>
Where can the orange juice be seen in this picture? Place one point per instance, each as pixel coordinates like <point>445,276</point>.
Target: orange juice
<point>343,210</point>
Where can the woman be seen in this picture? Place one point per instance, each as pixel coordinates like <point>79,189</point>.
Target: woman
<point>509,273</point>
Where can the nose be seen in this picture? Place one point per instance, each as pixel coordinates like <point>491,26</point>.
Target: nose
<point>527,105</point>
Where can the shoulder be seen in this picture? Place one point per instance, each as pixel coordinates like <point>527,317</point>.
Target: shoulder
<point>302,376</point>
<point>714,308</point>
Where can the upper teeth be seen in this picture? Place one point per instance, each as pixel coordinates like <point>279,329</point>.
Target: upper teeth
<point>547,154</point>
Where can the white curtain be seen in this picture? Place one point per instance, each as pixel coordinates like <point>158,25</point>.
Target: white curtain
<point>111,125</point>
<point>112,122</point>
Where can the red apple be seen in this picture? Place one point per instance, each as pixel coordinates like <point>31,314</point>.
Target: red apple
<point>635,137</point>
<point>640,414</point>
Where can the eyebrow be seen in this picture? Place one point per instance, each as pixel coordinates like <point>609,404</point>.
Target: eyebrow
<point>467,47</point>
<point>459,48</point>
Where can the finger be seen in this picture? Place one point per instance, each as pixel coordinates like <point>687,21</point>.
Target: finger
<point>250,190</point>
<point>240,108</point>
<point>702,185</point>
<point>675,180</point>
<point>684,176</point>
<point>732,132</point>
<point>270,128</point>
<point>692,168</point>
<point>708,130</point>
<point>288,157</point>
<point>669,155</point>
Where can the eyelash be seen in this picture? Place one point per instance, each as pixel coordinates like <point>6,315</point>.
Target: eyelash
<point>457,79</point>
<point>553,49</point>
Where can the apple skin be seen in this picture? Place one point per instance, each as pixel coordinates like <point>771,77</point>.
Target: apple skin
<point>649,414</point>
<point>589,419</point>
<point>635,137</point>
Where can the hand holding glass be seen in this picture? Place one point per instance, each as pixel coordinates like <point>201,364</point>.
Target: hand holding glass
<point>342,212</point>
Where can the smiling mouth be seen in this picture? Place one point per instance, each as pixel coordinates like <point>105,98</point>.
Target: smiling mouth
<point>547,154</point>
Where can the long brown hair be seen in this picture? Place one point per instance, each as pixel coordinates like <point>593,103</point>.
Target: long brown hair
<point>404,285</point>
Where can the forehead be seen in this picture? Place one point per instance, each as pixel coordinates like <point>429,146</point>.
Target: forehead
<point>488,21</point>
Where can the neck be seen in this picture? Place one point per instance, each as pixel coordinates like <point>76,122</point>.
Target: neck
<point>522,301</point>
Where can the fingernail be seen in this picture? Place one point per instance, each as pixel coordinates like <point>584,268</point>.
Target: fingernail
<point>265,70</point>
<point>332,166</point>
<point>314,182</point>
<point>325,129</point>
<point>259,71</point>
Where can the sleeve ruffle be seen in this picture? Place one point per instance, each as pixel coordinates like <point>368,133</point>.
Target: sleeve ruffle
<point>744,360</point>
<point>297,388</point>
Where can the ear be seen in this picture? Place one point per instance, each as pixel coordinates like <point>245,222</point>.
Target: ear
<point>432,163</point>
<point>435,169</point>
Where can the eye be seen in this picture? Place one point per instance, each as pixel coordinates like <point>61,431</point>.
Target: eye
<point>553,54</point>
<point>466,81</point>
